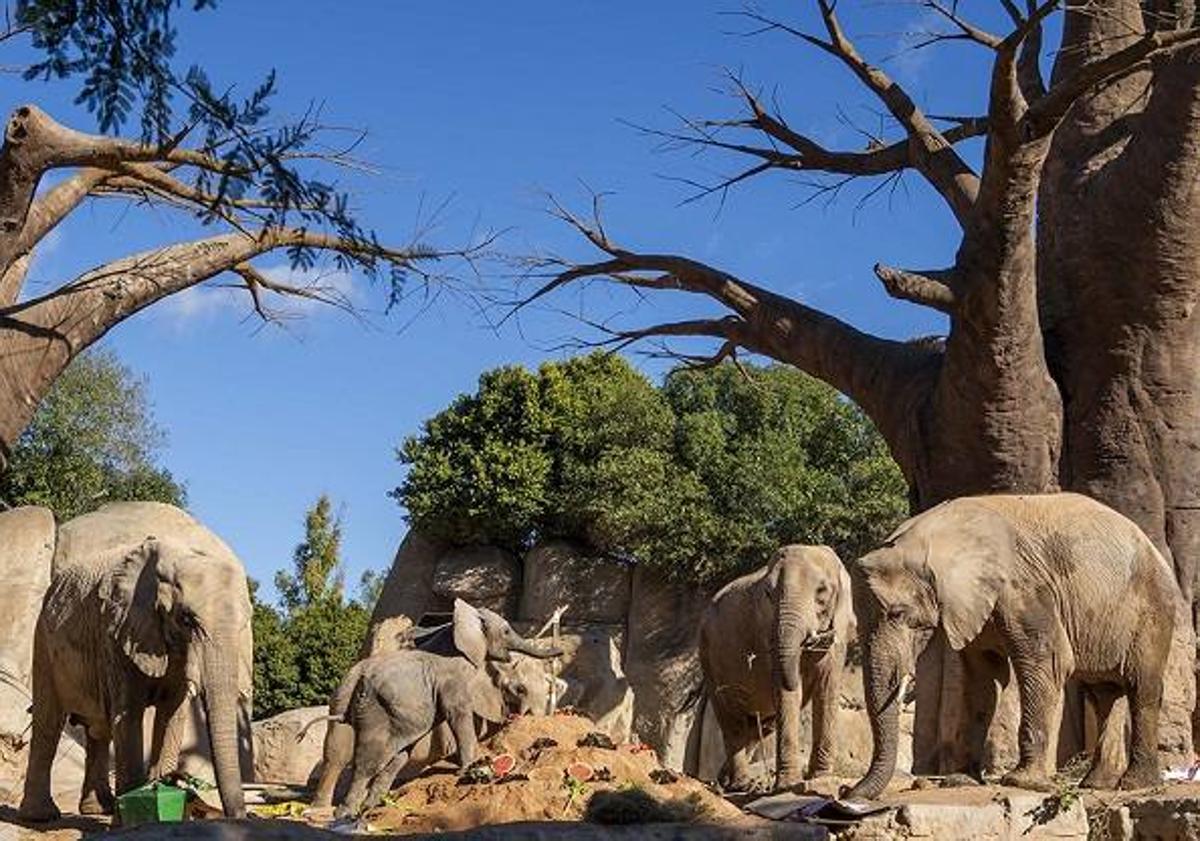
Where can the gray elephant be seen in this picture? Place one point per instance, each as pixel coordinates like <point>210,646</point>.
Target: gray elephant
<point>401,697</point>
<point>143,602</point>
<point>1058,583</point>
<point>770,642</point>
<point>523,685</point>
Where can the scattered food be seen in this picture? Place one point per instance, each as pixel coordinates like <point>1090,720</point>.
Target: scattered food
<point>664,776</point>
<point>580,771</point>
<point>503,764</point>
<point>477,773</point>
<point>596,739</point>
<point>539,788</point>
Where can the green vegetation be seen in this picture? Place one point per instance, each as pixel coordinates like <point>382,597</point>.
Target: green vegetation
<point>304,647</point>
<point>701,477</point>
<point>92,441</point>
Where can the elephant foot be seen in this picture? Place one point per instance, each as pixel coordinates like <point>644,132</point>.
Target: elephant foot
<point>39,811</point>
<point>1027,779</point>
<point>1099,777</point>
<point>1140,775</point>
<point>97,803</point>
<point>788,782</point>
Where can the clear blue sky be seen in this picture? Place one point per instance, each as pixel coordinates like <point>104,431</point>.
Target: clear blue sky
<point>491,103</point>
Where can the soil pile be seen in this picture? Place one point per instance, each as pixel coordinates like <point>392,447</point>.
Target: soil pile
<point>556,768</point>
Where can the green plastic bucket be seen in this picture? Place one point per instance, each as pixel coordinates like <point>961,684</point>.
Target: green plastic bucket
<point>152,803</point>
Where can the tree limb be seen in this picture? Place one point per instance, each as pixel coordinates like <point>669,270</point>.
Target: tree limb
<point>929,288</point>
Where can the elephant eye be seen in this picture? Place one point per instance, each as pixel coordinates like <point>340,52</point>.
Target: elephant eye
<point>896,614</point>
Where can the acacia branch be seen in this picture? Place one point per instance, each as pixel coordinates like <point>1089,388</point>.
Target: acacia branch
<point>84,309</point>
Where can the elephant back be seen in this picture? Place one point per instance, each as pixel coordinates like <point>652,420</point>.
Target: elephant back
<point>101,538</point>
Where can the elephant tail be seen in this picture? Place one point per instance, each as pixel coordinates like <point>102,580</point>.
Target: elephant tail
<point>304,730</point>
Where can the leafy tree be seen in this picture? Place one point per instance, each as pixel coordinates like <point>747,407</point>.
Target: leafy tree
<point>203,152</point>
<point>701,478</point>
<point>303,648</point>
<point>93,440</point>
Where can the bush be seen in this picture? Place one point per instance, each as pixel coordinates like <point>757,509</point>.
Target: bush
<point>700,478</point>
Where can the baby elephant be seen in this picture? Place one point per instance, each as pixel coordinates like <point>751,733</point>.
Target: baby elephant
<point>524,686</point>
<point>401,697</point>
<point>769,642</point>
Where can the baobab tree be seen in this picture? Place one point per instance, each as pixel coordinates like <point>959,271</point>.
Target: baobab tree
<point>1071,359</point>
<point>262,187</point>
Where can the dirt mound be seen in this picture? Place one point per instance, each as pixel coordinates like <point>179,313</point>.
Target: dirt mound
<point>552,778</point>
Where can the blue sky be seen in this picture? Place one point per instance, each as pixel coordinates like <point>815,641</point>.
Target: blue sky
<point>491,105</point>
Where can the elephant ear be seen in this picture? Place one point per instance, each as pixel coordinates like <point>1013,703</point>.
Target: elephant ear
<point>487,699</point>
<point>135,603</point>
<point>969,561</point>
<point>468,633</point>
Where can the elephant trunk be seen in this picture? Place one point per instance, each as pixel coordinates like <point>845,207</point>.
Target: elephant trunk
<point>524,646</point>
<point>881,678</point>
<point>220,692</point>
<point>795,623</point>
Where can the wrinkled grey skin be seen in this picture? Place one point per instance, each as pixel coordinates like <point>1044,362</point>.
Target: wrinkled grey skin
<point>523,684</point>
<point>1058,583</point>
<point>770,642</point>
<point>143,601</point>
<point>401,697</point>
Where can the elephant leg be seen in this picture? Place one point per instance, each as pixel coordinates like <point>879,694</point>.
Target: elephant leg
<point>372,751</point>
<point>37,804</point>
<point>740,736</point>
<point>1145,702</point>
<point>339,749</point>
<point>1041,690</point>
<point>982,675</point>
<point>825,690</point>
<point>96,798</point>
<point>128,747</point>
<point>166,741</point>
<point>1100,774</point>
<point>462,724</point>
<point>382,783</point>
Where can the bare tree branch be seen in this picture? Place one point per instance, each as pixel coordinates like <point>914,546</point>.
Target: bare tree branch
<point>928,288</point>
<point>929,151</point>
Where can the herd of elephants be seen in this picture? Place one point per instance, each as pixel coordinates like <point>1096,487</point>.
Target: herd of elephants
<point>146,605</point>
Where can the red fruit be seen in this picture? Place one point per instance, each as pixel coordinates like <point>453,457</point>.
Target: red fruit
<point>580,771</point>
<point>503,764</point>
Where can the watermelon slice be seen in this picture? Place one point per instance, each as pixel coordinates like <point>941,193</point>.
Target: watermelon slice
<point>579,771</point>
<point>503,764</point>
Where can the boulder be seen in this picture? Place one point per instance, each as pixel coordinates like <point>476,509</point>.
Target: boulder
<point>408,588</point>
<point>981,813</point>
<point>280,755</point>
<point>663,665</point>
<point>558,572</point>
<point>483,576</point>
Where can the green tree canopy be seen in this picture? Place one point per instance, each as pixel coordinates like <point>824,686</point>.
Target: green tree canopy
<point>701,477</point>
<point>304,647</point>
<point>93,440</point>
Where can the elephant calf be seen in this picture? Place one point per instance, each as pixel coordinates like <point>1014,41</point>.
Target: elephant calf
<point>524,686</point>
<point>401,697</point>
<point>771,641</point>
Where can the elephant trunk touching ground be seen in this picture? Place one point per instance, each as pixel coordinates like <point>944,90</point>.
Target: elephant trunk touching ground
<point>797,625</point>
<point>219,671</point>
<point>881,682</point>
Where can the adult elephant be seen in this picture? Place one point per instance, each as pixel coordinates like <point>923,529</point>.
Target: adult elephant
<point>143,603</point>
<point>770,642</point>
<point>1059,583</point>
